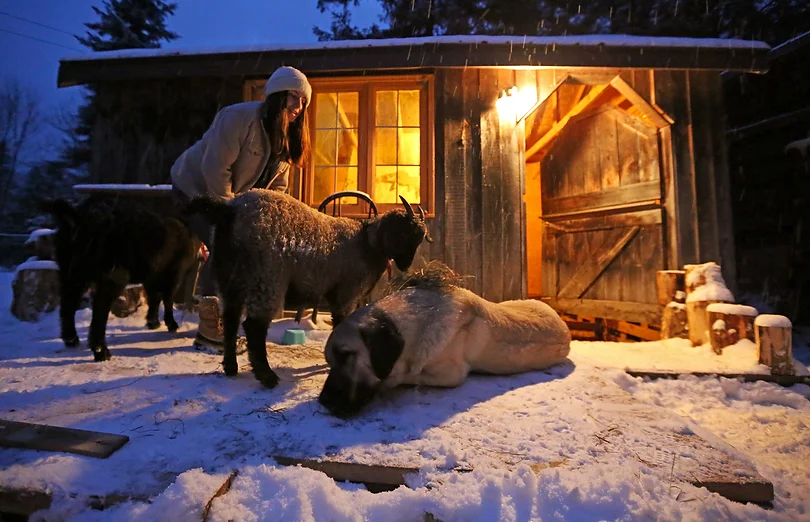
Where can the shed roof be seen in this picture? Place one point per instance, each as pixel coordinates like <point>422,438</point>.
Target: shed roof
<point>621,51</point>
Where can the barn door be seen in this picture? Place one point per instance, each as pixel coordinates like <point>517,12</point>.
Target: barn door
<point>600,187</point>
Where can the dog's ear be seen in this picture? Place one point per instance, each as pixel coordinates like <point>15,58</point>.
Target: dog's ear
<point>383,341</point>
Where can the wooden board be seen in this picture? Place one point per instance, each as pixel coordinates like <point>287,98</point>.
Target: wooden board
<point>782,380</point>
<point>53,438</point>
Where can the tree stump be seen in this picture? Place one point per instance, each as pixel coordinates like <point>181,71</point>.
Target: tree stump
<point>674,322</point>
<point>704,286</point>
<point>35,290</point>
<point>774,340</point>
<point>128,302</point>
<point>729,323</point>
<point>671,286</point>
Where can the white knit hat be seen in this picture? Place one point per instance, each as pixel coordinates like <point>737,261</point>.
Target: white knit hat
<point>288,79</point>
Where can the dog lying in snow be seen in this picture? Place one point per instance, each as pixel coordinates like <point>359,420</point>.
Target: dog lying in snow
<point>432,332</point>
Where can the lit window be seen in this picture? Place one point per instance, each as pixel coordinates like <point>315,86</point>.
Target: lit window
<point>373,134</point>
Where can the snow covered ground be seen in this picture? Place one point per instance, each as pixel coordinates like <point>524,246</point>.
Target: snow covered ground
<point>541,446</point>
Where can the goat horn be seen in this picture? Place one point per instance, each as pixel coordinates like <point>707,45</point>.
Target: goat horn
<point>408,207</point>
<point>421,212</point>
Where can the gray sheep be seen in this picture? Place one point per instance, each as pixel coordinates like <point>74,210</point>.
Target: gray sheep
<point>268,245</point>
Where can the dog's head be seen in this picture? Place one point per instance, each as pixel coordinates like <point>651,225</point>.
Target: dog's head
<point>361,353</point>
<point>399,233</point>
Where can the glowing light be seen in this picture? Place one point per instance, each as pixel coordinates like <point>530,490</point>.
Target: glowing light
<point>514,102</point>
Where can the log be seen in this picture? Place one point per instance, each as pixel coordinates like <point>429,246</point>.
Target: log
<point>671,286</point>
<point>704,286</point>
<point>773,335</point>
<point>730,323</point>
<point>35,290</point>
<point>128,302</point>
<point>674,322</point>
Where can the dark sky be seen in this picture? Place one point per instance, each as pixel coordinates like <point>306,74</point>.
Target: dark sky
<point>200,23</point>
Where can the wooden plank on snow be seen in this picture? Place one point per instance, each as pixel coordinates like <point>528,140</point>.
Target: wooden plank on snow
<point>587,274</point>
<point>388,476</point>
<point>53,438</point>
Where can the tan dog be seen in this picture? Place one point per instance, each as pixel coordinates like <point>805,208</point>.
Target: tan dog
<point>435,337</point>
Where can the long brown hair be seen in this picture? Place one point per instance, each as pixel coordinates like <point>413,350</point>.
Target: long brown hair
<point>289,141</point>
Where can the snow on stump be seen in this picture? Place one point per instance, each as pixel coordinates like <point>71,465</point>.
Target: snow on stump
<point>671,286</point>
<point>128,302</point>
<point>674,322</point>
<point>773,335</point>
<point>40,242</point>
<point>35,289</point>
<point>704,286</point>
<point>729,324</point>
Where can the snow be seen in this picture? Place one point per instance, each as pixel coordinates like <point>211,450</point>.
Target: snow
<point>121,187</point>
<point>732,309</point>
<point>38,233</point>
<point>771,320</point>
<point>609,40</point>
<point>37,264</point>
<point>799,145</point>
<point>705,282</point>
<point>555,445</point>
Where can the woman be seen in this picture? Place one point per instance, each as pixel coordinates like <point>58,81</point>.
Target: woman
<point>248,145</point>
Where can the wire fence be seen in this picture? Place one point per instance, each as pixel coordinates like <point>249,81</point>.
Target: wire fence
<point>13,250</point>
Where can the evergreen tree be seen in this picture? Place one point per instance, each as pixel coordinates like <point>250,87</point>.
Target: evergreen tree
<point>122,24</point>
<point>772,21</point>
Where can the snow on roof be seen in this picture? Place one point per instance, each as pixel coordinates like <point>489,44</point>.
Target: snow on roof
<point>610,40</point>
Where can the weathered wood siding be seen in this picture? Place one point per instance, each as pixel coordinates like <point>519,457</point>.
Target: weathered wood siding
<point>479,182</point>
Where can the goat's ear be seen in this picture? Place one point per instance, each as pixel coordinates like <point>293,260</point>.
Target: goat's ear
<point>373,233</point>
<point>383,341</point>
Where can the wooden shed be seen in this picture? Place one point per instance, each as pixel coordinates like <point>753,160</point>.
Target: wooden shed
<point>569,168</point>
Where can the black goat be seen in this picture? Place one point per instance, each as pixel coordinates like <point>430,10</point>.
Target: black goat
<point>268,245</point>
<point>109,242</point>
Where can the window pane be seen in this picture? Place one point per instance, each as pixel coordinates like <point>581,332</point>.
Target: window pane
<point>385,147</point>
<point>386,108</point>
<point>325,153</point>
<point>408,146</point>
<point>385,185</point>
<point>346,179</point>
<point>348,109</point>
<point>323,183</point>
<point>347,147</point>
<point>325,114</point>
<point>409,108</point>
<point>409,184</point>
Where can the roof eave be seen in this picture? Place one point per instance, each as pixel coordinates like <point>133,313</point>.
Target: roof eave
<point>431,55</point>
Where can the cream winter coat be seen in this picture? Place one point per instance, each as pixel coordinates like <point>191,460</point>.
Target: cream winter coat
<point>230,156</point>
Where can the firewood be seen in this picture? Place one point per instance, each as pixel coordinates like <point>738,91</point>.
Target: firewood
<point>704,286</point>
<point>35,290</point>
<point>729,323</point>
<point>774,340</point>
<point>128,302</point>
<point>674,322</point>
<point>671,286</point>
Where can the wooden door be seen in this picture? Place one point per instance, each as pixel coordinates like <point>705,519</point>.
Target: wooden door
<point>603,238</point>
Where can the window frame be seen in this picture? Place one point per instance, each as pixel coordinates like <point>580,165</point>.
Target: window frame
<point>367,87</point>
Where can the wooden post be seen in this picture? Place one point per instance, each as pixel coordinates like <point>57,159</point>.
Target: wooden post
<point>774,340</point>
<point>728,323</point>
<point>674,322</point>
<point>671,286</point>
<point>704,286</point>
